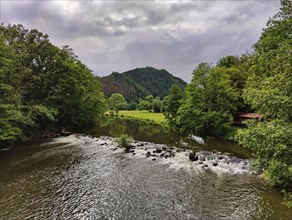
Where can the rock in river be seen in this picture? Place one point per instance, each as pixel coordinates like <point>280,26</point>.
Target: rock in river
<point>158,150</point>
<point>193,156</point>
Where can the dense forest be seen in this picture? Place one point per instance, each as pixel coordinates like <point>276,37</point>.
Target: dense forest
<point>139,83</point>
<point>43,87</point>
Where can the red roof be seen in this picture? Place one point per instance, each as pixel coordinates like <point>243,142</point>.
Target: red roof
<point>249,115</point>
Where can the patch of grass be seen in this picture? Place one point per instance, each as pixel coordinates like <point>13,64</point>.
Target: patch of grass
<point>144,115</point>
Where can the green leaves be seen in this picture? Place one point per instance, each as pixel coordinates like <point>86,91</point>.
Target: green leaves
<point>117,102</point>
<point>269,92</point>
<point>172,102</point>
<point>43,86</point>
<point>271,97</point>
<point>125,141</point>
<point>12,122</point>
<point>211,99</point>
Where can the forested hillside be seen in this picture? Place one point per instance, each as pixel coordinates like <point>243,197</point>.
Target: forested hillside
<point>43,87</point>
<point>140,82</point>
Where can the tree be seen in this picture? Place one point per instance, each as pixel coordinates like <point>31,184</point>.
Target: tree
<point>133,105</point>
<point>269,91</point>
<point>146,104</point>
<point>210,102</point>
<point>172,102</point>
<point>143,104</point>
<point>228,61</point>
<point>157,104</point>
<point>149,100</point>
<point>43,87</point>
<point>117,102</point>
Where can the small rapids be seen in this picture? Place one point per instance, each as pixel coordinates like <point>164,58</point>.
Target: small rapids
<point>80,177</point>
<point>176,158</point>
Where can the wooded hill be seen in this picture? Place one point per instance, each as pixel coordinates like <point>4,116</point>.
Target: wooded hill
<point>140,82</point>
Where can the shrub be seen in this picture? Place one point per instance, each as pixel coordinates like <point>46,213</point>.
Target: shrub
<point>125,141</point>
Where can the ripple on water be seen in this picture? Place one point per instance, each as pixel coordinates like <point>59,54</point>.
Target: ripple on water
<point>86,179</point>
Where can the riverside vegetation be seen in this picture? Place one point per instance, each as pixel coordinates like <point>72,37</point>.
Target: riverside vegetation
<point>45,88</point>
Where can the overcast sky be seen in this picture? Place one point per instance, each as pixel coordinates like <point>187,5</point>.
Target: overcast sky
<point>120,35</point>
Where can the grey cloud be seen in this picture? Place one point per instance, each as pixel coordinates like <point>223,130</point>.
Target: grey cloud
<point>128,22</point>
<point>155,18</point>
<point>117,36</point>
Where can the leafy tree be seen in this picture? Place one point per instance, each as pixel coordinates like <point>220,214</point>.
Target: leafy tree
<point>133,105</point>
<point>117,102</point>
<point>172,102</point>
<point>269,91</point>
<point>143,104</point>
<point>18,120</point>
<point>149,100</point>
<point>228,61</point>
<point>43,86</point>
<point>210,102</point>
<point>272,143</point>
<point>157,104</point>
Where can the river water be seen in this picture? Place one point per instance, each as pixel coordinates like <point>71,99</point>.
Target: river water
<point>87,178</point>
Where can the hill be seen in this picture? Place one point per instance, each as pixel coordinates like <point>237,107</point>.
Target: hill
<point>140,82</point>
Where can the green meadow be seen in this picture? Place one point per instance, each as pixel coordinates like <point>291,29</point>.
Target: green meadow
<point>143,115</point>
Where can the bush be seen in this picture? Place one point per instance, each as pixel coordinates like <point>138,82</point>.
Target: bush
<point>112,113</point>
<point>125,141</point>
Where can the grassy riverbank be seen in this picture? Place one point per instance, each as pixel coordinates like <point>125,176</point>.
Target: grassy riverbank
<point>144,115</point>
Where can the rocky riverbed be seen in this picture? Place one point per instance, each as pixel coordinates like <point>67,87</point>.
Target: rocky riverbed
<point>83,177</point>
<point>176,158</point>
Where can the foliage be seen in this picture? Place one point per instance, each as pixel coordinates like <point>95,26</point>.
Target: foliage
<point>271,66</point>
<point>125,141</point>
<point>156,104</point>
<point>273,146</point>
<point>288,198</point>
<point>172,102</point>
<point>228,61</point>
<point>117,102</point>
<point>148,102</point>
<point>133,105</point>
<point>139,83</point>
<point>210,102</point>
<point>143,104</point>
<point>43,86</point>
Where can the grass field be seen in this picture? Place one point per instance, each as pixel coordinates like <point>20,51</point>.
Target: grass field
<point>145,115</point>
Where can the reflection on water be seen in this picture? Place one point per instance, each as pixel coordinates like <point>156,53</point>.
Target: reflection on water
<point>151,132</point>
<point>140,130</point>
<point>75,179</point>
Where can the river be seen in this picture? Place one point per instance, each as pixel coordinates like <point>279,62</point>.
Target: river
<point>82,177</point>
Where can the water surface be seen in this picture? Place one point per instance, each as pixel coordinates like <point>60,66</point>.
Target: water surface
<point>70,178</point>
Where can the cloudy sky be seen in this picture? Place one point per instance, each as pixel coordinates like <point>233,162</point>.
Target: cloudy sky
<point>121,35</point>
